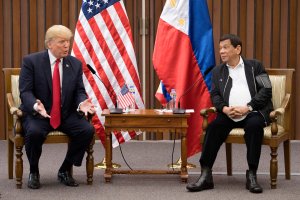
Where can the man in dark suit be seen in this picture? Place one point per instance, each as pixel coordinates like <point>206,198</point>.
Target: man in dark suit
<point>54,98</point>
<point>241,92</point>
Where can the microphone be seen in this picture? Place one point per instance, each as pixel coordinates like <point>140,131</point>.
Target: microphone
<point>179,110</point>
<point>114,110</point>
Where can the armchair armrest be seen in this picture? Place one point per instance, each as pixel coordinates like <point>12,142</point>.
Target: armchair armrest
<point>12,108</point>
<point>16,113</point>
<point>277,112</point>
<point>205,113</point>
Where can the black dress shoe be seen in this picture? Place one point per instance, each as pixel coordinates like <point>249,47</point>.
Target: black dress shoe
<point>34,181</point>
<point>204,182</point>
<point>67,179</point>
<point>251,183</point>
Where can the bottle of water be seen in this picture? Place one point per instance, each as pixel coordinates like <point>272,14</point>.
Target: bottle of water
<point>173,100</point>
<point>132,91</point>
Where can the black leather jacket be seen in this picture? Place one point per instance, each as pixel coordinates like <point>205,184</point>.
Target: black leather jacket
<point>260,96</point>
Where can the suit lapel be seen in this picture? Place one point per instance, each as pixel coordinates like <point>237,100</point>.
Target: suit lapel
<point>47,71</point>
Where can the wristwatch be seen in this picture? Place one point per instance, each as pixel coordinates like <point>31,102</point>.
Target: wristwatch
<point>250,108</point>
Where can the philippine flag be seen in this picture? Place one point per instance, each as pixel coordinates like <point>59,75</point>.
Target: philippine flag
<point>183,58</point>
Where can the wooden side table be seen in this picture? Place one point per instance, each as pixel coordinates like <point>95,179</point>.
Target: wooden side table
<point>145,120</point>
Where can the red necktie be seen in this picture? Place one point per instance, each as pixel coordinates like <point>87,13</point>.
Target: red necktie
<point>55,111</point>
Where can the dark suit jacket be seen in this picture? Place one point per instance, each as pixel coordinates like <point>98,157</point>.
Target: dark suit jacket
<point>36,83</point>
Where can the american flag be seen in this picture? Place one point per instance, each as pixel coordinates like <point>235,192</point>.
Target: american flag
<point>103,39</point>
<point>125,98</point>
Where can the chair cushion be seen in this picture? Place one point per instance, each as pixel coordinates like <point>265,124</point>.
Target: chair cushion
<point>15,90</point>
<point>56,133</point>
<point>278,92</point>
<point>267,131</point>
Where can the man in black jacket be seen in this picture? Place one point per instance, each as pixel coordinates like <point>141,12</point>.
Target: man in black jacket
<point>241,92</point>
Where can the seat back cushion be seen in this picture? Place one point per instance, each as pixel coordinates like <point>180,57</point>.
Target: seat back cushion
<point>15,90</point>
<point>278,92</point>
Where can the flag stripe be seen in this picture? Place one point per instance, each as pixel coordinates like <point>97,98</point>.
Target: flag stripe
<point>125,23</point>
<point>124,43</point>
<point>88,78</point>
<point>95,83</point>
<point>91,90</point>
<point>125,58</point>
<point>107,58</point>
<point>110,48</point>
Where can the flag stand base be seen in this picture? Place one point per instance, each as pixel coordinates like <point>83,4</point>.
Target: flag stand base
<point>178,164</point>
<point>102,165</point>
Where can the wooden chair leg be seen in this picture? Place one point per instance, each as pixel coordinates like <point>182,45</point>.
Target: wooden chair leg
<point>90,163</point>
<point>10,158</point>
<point>19,166</point>
<point>287,159</point>
<point>228,147</point>
<point>273,167</point>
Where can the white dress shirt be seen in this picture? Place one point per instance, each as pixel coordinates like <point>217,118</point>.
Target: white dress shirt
<point>239,93</point>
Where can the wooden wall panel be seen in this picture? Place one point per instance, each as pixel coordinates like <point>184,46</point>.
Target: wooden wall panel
<point>72,12</point>
<point>7,56</point>
<point>242,24</point>
<point>292,33</point>
<point>33,17</point>
<point>269,29</point>
<point>16,17</point>
<point>234,16</point>
<point>259,29</point>
<point>7,35</point>
<point>283,50</point>
<point>56,13</point>
<point>65,13</point>
<point>2,104</point>
<point>250,30</point>
<point>24,28</point>
<point>267,32</point>
<point>297,66</point>
<point>275,34</point>
<point>225,16</point>
<point>41,27</point>
<point>1,34</point>
<point>216,24</point>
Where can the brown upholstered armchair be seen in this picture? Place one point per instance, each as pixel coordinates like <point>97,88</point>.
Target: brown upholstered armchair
<point>276,133</point>
<point>15,140</point>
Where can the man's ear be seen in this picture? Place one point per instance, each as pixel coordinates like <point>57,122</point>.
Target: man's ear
<point>239,49</point>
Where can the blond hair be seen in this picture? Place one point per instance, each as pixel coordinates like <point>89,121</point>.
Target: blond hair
<point>56,31</point>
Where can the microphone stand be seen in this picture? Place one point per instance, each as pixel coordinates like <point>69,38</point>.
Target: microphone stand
<point>179,110</point>
<point>114,110</point>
